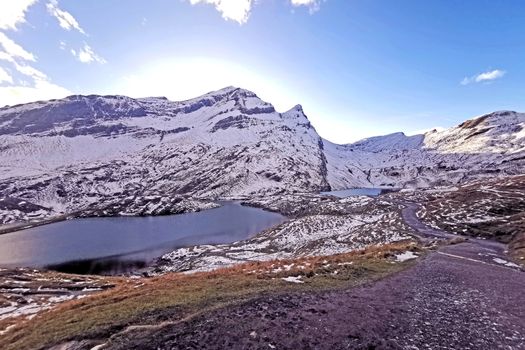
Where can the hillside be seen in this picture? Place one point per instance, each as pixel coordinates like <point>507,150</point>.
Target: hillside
<point>114,155</point>
<point>485,146</point>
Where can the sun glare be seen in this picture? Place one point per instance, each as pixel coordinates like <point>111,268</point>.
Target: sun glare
<point>180,79</point>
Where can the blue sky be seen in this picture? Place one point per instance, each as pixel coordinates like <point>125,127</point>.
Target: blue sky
<point>358,67</point>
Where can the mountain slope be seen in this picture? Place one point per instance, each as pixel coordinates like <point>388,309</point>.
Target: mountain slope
<point>115,155</point>
<point>96,152</point>
<point>485,146</point>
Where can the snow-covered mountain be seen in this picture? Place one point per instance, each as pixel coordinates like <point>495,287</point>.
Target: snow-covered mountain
<point>485,146</point>
<point>101,152</point>
<point>111,155</point>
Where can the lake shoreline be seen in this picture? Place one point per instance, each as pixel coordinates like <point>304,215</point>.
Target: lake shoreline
<point>125,244</point>
<point>27,225</point>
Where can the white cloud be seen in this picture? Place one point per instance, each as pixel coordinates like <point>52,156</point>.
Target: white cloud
<point>30,71</point>
<point>12,12</point>
<point>65,19</point>
<point>235,10</point>
<point>484,77</point>
<point>5,76</point>
<point>41,90</point>
<point>18,56</point>
<point>68,22</point>
<point>87,55</point>
<point>14,50</point>
<point>31,84</point>
<point>495,74</point>
<point>38,87</point>
<point>313,5</point>
<point>239,10</point>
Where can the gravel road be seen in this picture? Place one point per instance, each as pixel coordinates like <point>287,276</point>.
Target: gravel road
<point>464,296</point>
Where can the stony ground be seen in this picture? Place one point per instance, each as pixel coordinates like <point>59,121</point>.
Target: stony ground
<point>463,296</point>
<point>318,225</point>
<point>490,209</point>
<point>24,293</point>
<point>466,295</point>
<point>143,305</point>
<point>443,303</point>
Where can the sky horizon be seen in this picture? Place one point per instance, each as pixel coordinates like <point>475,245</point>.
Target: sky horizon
<point>359,68</point>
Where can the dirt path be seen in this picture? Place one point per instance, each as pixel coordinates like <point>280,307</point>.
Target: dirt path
<point>464,296</point>
<point>425,232</point>
<point>480,250</point>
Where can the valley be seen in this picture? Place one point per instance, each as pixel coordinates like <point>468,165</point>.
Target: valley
<point>114,155</point>
<point>387,228</point>
<point>262,175</point>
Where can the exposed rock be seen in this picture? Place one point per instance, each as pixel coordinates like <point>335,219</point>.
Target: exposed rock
<point>91,154</point>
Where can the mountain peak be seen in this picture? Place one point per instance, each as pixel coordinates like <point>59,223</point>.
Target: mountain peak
<point>397,140</point>
<point>498,118</point>
<point>298,108</point>
<point>225,143</point>
<point>295,112</point>
<point>231,90</point>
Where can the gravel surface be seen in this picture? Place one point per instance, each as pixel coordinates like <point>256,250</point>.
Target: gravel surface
<point>464,296</point>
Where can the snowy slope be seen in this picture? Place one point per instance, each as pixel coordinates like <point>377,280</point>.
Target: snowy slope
<point>107,155</point>
<point>489,145</point>
<point>92,150</point>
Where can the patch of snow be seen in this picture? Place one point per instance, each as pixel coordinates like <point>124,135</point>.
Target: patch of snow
<point>408,255</point>
<point>504,262</point>
<point>293,279</point>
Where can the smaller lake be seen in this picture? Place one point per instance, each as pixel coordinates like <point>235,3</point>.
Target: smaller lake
<point>121,244</point>
<point>372,192</point>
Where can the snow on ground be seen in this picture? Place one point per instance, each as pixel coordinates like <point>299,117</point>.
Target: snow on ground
<point>293,279</point>
<point>319,226</point>
<point>25,292</point>
<point>408,255</point>
<point>62,156</point>
<point>489,208</point>
<point>504,262</point>
<point>489,145</point>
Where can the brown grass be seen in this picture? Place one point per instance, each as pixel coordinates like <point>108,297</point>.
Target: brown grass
<point>517,248</point>
<point>177,296</point>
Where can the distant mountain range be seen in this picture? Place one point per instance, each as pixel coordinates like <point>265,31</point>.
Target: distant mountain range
<point>115,155</point>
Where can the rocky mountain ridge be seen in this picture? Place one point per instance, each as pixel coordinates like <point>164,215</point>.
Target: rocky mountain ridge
<point>115,155</point>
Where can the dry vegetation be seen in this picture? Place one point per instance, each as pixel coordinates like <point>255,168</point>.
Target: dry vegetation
<point>173,297</point>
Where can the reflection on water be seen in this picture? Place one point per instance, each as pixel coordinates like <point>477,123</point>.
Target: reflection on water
<point>103,266</point>
<point>120,244</point>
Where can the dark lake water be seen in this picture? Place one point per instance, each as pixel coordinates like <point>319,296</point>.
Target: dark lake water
<point>357,192</point>
<point>121,244</point>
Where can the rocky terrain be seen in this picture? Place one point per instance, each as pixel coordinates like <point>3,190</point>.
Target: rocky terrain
<point>86,156</point>
<point>114,155</point>
<point>135,307</point>
<point>325,225</point>
<point>24,293</point>
<point>487,209</point>
<point>101,149</point>
<point>318,226</point>
<point>483,147</point>
<point>430,295</point>
<point>441,303</point>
